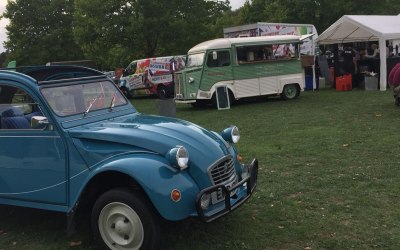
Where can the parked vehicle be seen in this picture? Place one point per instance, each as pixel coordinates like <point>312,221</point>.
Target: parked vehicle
<point>308,47</point>
<point>70,142</point>
<point>247,66</point>
<point>151,76</point>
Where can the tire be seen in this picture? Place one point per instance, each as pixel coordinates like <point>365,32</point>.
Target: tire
<point>123,220</point>
<point>125,91</point>
<point>162,92</point>
<point>290,91</point>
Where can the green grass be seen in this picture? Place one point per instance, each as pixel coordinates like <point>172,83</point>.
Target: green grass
<point>329,179</point>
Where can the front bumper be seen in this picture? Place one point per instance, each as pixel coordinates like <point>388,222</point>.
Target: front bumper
<point>242,190</point>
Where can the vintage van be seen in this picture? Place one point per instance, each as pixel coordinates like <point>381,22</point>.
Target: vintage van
<point>151,76</point>
<point>247,66</point>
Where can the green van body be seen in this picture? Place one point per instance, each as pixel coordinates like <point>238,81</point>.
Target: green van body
<point>223,62</point>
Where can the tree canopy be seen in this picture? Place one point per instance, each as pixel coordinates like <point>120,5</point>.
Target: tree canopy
<point>115,32</point>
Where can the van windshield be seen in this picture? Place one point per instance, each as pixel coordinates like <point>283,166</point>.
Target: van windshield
<point>195,60</point>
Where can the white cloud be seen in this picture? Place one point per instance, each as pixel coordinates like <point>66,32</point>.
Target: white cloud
<point>236,4</point>
<point>3,23</point>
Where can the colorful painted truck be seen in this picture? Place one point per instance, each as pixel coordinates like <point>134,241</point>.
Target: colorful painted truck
<point>247,66</point>
<point>273,29</point>
<point>71,143</point>
<point>151,76</point>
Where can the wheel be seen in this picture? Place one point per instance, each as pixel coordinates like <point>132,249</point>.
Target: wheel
<point>162,92</point>
<point>122,220</point>
<point>290,91</point>
<point>126,93</point>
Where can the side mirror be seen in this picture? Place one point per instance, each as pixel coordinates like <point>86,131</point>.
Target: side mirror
<point>40,122</point>
<point>214,55</point>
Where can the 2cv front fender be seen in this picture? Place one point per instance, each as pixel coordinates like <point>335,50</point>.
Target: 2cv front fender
<point>157,179</point>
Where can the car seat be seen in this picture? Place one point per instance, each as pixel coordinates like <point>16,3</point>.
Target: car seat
<point>13,118</point>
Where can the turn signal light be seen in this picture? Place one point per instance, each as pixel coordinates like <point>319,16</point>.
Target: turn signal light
<point>176,195</point>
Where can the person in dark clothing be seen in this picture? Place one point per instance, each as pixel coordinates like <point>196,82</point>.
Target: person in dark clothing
<point>349,59</point>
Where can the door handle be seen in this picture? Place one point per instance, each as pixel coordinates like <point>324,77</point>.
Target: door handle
<point>191,80</point>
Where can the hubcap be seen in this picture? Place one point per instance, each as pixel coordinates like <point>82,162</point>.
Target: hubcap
<point>120,227</point>
<point>290,92</point>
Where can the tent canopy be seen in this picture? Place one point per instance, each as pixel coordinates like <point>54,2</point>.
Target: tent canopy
<point>364,28</point>
<point>361,28</point>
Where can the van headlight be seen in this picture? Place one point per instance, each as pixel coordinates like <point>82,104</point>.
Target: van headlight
<point>231,134</point>
<point>122,82</point>
<point>178,157</point>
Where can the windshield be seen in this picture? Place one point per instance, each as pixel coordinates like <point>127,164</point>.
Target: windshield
<point>195,60</point>
<point>83,98</point>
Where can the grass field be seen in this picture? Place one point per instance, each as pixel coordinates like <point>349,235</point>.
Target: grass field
<point>329,179</point>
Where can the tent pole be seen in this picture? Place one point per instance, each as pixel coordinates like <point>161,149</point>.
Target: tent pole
<point>382,57</point>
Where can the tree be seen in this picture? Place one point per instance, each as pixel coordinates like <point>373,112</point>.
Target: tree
<point>116,31</point>
<point>40,31</point>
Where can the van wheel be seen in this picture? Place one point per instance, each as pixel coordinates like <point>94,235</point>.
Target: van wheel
<point>122,220</point>
<point>162,92</point>
<point>125,91</point>
<point>290,91</point>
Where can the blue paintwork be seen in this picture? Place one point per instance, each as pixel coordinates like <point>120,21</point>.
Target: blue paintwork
<point>49,169</point>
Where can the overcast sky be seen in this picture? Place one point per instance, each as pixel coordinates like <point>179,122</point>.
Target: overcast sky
<point>3,22</point>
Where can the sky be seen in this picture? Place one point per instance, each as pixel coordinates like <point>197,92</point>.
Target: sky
<point>235,4</point>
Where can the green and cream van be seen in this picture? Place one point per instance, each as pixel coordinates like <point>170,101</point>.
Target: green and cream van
<point>246,66</point>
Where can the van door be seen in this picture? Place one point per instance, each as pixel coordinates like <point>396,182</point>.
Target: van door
<point>218,68</point>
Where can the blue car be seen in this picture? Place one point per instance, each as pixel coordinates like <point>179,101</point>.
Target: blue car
<point>70,141</point>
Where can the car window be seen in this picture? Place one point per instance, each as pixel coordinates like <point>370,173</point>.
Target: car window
<point>17,108</point>
<point>223,59</point>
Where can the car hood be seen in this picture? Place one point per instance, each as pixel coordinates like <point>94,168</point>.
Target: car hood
<point>145,133</point>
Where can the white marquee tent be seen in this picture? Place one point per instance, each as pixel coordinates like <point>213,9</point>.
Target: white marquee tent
<point>364,28</point>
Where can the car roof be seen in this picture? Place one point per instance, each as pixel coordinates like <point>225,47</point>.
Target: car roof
<point>46,74</point>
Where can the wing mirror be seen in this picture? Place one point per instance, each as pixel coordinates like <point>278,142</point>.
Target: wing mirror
<point>38,122</point>
<point>214,55</point>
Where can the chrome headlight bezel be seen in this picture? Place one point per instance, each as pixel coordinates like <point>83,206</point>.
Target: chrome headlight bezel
<point>231,134</point>
<point>178,157</point>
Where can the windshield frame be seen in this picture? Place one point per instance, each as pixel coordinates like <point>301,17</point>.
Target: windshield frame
<point>82,98</point>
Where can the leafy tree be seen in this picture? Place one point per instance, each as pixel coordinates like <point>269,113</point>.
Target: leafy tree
<point>321,13</point>
<point>116,31</point>
<point>40,31</point>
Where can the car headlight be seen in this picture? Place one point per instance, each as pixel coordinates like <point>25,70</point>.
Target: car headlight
<point>122,83</point>
<point>178,157</point>
<point>231,134</point>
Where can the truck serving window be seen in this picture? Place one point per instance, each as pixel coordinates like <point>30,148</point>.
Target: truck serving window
<point>83,98</point>
<point>270,52</point>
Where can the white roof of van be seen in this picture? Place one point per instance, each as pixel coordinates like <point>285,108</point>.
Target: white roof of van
<point>222,43</point>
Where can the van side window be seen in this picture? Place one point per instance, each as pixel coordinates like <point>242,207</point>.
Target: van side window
<point>16,108</point>
<point>223,59</point>
<point>265,53</point>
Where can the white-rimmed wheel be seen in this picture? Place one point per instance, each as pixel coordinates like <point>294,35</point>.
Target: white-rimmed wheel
<point>123,221</point>
<point>290,91</point>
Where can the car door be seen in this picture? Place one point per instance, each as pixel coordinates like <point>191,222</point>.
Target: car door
<point>32,159</point>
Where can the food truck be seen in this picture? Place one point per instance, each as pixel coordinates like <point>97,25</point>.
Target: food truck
<point>247,66</point>
<point>272,29</point>
<point>151,76</point>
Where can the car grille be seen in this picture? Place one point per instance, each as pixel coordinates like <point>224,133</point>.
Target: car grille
<point>223,171</point>
<point>178,85</point>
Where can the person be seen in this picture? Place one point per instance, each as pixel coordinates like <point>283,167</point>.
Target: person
<point>373,52</point>
<point>394,82</point>
<point>349,59</point>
